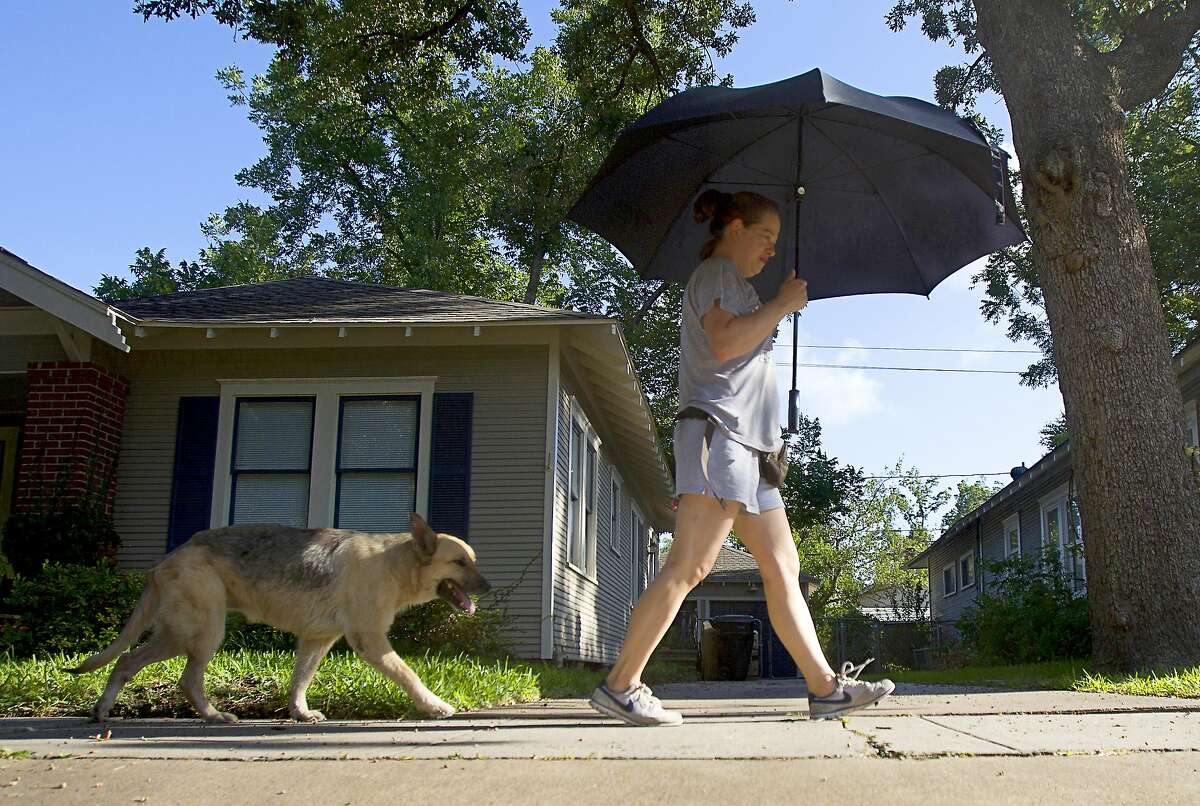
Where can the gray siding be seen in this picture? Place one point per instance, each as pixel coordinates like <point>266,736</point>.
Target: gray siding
<point>991,543</point>
<point>590,617</point>
<point>507,470</point>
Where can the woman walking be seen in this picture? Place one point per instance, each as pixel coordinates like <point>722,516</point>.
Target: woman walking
<point>728,420</point>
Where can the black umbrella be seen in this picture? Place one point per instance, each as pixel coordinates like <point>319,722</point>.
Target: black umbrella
<point>877,194</point>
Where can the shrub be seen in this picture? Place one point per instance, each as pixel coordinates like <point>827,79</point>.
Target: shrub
<point>1029,614</point>
<point>75,534</point>
<point>62,526</point>
<point>68,608</point>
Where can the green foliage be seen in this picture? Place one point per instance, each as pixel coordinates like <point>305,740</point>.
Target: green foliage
<point>1054,433</point>
<point>861,550</point>
<point>967,498</point>
<point>74,533</point>
<point>1028,614</point>
<point>67,608</point>
<point>817,489</point>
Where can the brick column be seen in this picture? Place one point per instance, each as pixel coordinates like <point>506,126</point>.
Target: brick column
<point>72,432</point>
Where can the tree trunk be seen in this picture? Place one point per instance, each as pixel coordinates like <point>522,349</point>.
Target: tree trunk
<point>1138,499</point>
<point>535,273</point>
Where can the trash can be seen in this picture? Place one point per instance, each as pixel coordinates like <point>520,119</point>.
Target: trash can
<point>726,645</point>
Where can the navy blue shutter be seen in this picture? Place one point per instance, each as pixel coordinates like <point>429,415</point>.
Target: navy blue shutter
<point>450,463</point>
<point>195,460</point>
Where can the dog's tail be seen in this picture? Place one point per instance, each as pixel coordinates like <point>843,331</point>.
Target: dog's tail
<point>139,622</point>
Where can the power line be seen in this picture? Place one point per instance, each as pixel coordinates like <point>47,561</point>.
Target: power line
<point>940,476</point>
<point>906,349</point>
<point>908,369</point>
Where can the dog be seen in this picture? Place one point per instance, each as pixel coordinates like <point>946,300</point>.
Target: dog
<point>318,584</point>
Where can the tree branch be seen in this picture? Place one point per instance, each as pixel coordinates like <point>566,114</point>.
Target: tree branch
<point>1151,52</point>
<point>644,46</point>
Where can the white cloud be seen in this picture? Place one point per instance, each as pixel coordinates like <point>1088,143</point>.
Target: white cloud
<point>836,396</point>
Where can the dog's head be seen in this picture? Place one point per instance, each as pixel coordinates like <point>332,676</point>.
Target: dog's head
<point>449,571</point>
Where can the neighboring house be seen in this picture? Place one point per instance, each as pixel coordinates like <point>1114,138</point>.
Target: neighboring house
<point>1037,509</point>
<point>734,587</point>
<point>326,403</point>
<point>895,605</point>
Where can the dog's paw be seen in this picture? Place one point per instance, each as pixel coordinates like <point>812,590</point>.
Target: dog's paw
<point>436,707</point>
<point>221,718</point>
<point>308,716</point>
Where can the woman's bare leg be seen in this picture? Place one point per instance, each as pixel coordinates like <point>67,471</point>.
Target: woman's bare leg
<point>701,525</point>
<point>769,538</point>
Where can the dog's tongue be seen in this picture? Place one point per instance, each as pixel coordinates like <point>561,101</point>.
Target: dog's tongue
<point>463,600</point>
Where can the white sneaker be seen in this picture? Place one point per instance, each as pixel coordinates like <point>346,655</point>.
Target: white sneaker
<point>638,706</point>
<point>850,695</point>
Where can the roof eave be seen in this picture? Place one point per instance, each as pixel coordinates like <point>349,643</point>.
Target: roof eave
<point>69,304</point>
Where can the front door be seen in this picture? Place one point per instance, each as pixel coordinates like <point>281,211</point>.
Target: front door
<point>8,468</point>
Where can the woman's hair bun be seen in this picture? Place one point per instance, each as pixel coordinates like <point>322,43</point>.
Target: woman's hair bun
<point>709,203</point>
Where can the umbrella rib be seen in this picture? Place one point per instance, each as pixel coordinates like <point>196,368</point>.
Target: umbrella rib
<point>923,154</point>
<point>674,139</point>
<point>882,200</point>
<point>704,181</point>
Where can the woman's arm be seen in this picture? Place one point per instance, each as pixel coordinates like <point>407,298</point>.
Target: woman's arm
<point>732,336</point>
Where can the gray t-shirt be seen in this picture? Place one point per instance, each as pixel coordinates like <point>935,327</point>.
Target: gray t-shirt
<point>741,393</point>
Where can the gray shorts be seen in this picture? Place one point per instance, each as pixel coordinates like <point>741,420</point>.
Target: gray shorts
<point>732,469</point>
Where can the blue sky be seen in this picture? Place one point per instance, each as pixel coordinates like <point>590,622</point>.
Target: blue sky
<point>117,136</point>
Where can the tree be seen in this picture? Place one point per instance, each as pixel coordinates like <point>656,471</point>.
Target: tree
<point>968,497</point>
<point>1161,149</point>
<point>817,489</point>
<point>1070,72</point>
<point>859,548</point>
<point>399,153</point>
<point>1054,433</point>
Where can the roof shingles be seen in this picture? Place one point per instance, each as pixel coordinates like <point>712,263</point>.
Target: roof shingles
<point>320,299</point>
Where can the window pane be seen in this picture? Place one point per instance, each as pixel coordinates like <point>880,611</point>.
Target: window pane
<point>273,434</point>
<point>947,580</point>
<point>1014,541</point>
<point>576,439</point>
<point>1053,526</point>
<point>376,502</point>
<point>378,433</point>
<point>271,498</point>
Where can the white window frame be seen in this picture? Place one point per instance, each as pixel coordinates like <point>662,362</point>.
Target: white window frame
<point>952,588</point>
<point>615,530</point>
<point>1012,523</point>
<point>636,541</point>
<point>1055,499</point>
<point>587,530</point>
<point>327,392</point>
<point>962,586</point>
<point>1078,566</point>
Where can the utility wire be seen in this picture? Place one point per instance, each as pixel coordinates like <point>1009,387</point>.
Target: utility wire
<point>905,349</point>
<point>940,476</point>
<point>908,369</point>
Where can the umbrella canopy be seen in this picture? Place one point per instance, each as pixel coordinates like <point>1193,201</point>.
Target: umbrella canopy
<point>877,194</point>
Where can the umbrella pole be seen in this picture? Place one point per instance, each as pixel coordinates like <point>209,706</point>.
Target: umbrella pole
<point>794,394</point>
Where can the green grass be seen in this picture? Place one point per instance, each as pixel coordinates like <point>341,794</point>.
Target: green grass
<point>254,684</point>
<point>1068,675</point>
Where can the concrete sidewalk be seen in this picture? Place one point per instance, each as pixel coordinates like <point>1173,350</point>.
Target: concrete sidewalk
<point>753,732</point>
<point>755,720</point>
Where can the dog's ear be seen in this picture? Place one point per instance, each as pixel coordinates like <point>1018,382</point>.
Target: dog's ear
<point>424,538</point>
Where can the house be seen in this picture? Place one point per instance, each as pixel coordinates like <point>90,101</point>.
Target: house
<point>1037,509</point>
<point>733,587</point>
<point>321,402</point>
